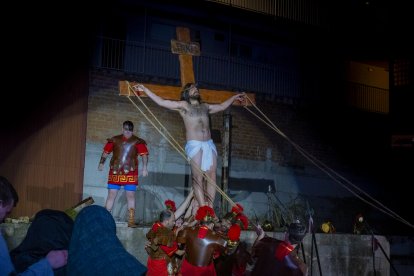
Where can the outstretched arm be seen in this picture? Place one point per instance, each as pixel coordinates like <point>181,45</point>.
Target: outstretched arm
<point>214,108</point>
<point>183,207</point>
<point>157,99</point>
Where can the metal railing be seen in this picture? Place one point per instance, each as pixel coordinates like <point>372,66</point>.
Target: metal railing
<point>219,72</point>
<point>303,11</point>
<point>225,72</point>
<point>367,97</point>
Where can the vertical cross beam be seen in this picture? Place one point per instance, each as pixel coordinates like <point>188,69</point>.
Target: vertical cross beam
<point>186,50</point>
<point>186,59</point>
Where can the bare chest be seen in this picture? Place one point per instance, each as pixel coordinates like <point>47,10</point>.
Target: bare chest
<point>197,111</point>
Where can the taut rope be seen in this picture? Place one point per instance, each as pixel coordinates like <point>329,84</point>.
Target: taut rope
<point>330,172</point>
<point>323,167</point>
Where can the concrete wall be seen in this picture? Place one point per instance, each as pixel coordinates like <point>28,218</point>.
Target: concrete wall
<point>339,254</point>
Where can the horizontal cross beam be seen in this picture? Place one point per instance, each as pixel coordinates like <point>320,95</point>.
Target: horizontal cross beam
<point>173,93</point>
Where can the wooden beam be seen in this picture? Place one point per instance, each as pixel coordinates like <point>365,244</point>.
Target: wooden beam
<point>186,61</point>
<point>186,50</point>
<point>174,92</point>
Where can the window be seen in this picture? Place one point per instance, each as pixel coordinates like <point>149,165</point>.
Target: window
<point>162,32</point>
<point>241,50</point>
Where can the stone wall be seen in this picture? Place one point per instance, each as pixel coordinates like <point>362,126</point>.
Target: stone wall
<point>339,254</point>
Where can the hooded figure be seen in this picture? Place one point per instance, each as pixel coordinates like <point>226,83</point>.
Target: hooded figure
<point>95,248</point>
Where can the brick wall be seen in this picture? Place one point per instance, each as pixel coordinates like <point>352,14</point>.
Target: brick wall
<point>260,156</point>
<point>250,136</point>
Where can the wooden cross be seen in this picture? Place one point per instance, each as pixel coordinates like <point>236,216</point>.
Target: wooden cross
<point>185,50</point>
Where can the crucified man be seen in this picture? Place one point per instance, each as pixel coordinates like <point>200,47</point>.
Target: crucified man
<point>199,147</point>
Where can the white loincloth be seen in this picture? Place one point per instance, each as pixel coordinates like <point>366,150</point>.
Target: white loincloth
<point>193,147</point>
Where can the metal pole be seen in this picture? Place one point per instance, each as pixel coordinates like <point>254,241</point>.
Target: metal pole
<point>303,252</point>
<point>386,256</point>
<point>317,253</point>
<point>226,158</point>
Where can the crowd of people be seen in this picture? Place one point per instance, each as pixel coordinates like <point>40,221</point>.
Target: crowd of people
<point>90,246</point>
<point>198,244</point>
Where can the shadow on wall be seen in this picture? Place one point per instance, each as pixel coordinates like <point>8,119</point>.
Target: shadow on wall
<point>49,198</point>
<point>148,206</point>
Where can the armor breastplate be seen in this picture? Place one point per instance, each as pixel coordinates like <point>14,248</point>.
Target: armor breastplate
<point>164,236</point>
<point>199,252</point>
<point>124,158</point>
<point>157,254</point>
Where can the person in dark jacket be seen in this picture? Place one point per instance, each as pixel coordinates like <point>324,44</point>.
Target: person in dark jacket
<point>45,264</point>
<point>49,230</point>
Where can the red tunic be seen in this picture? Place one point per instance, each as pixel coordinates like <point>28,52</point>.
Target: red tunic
<point>157,267</point>
<point>188,269</point>
<point>165,247</point>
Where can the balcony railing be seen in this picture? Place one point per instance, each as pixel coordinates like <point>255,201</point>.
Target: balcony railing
<point>303,11</point>
<point>368,98</point>
<point>219,72</point>
<point>229,73</point>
